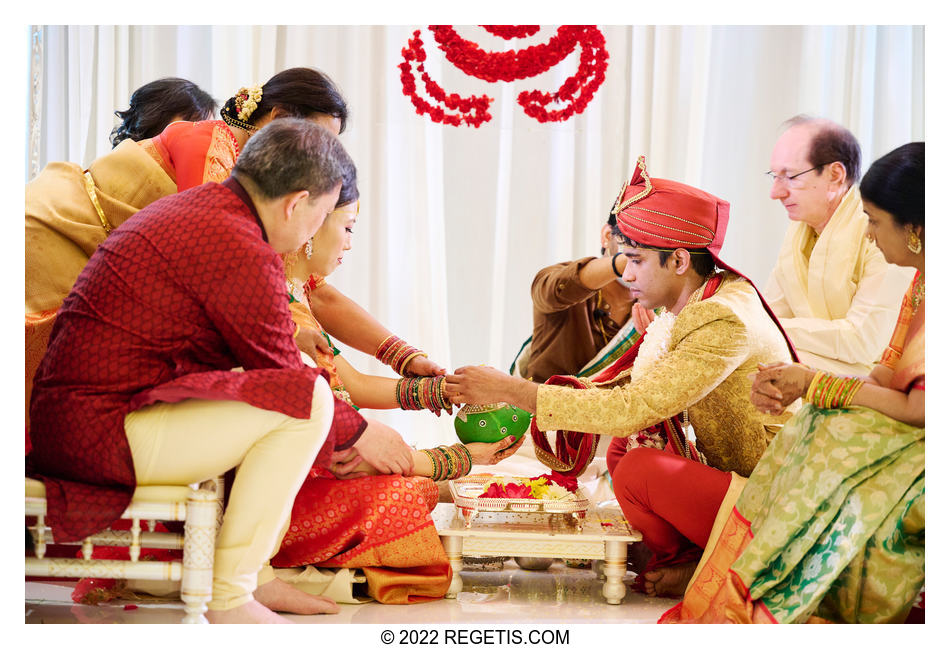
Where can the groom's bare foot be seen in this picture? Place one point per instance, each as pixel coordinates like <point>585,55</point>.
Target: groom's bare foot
<point>638,556</point>
<point>278,595</point>
<point>250,613</point>
<point>668,582</point>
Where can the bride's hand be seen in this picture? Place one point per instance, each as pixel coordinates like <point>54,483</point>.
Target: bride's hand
<point>494,453</point>
<point>777,385</point>
<point>478,385</point>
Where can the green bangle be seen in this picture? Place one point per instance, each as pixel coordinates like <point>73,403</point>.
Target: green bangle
<point>432,460</point>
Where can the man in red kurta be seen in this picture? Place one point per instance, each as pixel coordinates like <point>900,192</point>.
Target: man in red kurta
<point>137,385</point>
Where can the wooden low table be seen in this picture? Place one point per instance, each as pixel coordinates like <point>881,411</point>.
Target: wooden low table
<point>602,534</point>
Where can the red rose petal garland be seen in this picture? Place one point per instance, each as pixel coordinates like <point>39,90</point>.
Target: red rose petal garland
<point>472,110</point>
<point>576,91</point>
<point>512,31</point>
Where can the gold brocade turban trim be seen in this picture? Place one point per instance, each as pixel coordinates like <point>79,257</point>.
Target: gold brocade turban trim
<point>668,214</point>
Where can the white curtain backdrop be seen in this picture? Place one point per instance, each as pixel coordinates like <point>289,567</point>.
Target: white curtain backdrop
<point>456,221</point>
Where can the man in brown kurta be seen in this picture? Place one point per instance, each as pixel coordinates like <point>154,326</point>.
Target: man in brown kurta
<point>579,306</point>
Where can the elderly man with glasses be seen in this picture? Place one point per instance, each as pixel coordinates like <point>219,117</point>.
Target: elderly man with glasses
<point>834,294</point>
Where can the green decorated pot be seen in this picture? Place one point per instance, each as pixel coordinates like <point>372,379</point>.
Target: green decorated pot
<point>490,423</point>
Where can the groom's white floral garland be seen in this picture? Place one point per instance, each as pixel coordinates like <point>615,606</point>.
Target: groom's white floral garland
<point>655,346</point>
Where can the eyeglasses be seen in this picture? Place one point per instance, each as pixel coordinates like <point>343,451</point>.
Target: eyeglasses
<point>790,180</point>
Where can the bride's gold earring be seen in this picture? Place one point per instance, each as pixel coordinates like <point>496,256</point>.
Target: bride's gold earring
<point>308,249</point>
<point>913,242</point>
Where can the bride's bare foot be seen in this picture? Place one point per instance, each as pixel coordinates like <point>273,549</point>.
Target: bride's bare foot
<point>250,613</point>
<point>668,582</point>
<point>278,595</point>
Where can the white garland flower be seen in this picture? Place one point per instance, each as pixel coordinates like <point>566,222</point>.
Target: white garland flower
<point>254,95</point>
<point>295,288</point>
<point>655,345</point>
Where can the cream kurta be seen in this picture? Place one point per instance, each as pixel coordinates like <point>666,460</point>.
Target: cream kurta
<point>715,346</point>
<point>839,304</point>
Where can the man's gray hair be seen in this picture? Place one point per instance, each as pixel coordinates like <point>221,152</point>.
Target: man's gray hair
<point>291,154</point>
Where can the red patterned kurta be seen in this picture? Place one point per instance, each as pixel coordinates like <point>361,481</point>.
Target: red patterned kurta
<point>182,292</point>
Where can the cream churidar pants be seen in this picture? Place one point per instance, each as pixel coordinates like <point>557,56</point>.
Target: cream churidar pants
<point>181,443</point>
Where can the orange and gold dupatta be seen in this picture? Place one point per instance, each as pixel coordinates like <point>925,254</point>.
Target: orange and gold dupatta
<point>905,353</point>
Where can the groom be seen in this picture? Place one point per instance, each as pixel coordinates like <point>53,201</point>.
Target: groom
<point>695,371</point>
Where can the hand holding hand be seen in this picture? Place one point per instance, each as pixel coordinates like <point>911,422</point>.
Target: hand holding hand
<point>384,449</point>
<point>494,453</point>
<point>310,340</point>
<point>477,384</point>
<point>777,385</point>
<point>343,462</point>
<point>422,366</point>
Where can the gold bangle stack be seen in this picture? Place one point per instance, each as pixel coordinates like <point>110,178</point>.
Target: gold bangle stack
<point>449,462</point>
<point>397,353</point>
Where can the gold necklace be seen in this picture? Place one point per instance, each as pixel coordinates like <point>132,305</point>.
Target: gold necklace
<point>918,295</point>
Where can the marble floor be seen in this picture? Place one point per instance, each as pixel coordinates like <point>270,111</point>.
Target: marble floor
<point>557,595</point>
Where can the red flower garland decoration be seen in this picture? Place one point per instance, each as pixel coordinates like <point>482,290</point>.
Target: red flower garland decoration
<point>512,31</point>
<point>415,52</point>
<point>576,91</point>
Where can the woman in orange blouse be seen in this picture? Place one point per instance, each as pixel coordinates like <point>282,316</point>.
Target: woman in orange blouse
<point>71,210</point>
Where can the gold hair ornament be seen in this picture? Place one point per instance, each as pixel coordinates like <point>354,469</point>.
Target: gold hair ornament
<point>246,101</point>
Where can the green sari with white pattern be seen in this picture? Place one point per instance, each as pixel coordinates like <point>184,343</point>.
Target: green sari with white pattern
<point>836,507</point>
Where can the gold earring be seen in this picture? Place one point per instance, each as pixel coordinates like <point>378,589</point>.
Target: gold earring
<point>308,249</point>
<point>913,242</point>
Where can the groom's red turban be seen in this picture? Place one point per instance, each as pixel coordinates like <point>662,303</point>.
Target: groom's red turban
<point>659,213</point>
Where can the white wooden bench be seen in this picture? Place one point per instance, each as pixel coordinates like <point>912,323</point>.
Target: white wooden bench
<point>200,506</point>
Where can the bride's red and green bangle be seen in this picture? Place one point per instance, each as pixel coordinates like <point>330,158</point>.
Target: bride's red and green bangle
<point>828,391</point>
<point>449,462</point>
<point>397,353</point>
<point>422,393</point>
